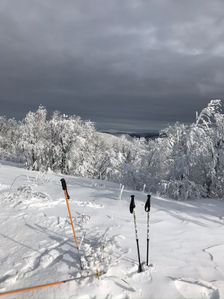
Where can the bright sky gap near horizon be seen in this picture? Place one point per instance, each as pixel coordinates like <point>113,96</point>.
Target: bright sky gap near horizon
<point>130,65</point>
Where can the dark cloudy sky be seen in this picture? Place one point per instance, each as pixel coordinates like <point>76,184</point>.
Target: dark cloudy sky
<point>126,64</point>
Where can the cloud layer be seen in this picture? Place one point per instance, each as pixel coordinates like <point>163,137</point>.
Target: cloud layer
<point>132,61</point>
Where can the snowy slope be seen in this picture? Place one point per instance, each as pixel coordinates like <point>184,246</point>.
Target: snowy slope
<point>37,247</point>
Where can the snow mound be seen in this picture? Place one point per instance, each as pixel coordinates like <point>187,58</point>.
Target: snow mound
<point>196,289</point>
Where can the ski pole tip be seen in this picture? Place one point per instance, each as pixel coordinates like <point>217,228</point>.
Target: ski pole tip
<point>140,268</point>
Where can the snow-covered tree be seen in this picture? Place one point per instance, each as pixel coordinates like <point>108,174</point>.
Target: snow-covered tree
<point>34,139</point>
<point>69,141</point>
<point>211,121</point>
<point>8,138</point>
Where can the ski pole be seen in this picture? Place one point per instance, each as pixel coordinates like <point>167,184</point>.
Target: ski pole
<point>132,211</point>
<point>48,285</point>
<point>67,197</point>
<point>147,209</point>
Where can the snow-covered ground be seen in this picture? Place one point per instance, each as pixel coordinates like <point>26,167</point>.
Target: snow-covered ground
<point>37,246</point>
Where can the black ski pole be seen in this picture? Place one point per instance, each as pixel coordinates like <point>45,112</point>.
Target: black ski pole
<point>132,211</point>
<point>147,209</point>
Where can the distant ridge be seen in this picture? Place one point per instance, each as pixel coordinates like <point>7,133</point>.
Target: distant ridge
<point>146,135</point>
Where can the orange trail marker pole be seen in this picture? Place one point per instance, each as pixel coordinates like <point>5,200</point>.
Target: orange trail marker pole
<point>67,197</point>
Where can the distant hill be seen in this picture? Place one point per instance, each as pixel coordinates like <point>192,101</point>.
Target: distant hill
<point>146,135</point>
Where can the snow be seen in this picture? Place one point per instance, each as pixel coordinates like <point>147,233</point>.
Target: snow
<point>37,246</point>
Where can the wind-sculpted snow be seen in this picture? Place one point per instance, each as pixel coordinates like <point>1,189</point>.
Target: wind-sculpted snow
<point>194,289</point>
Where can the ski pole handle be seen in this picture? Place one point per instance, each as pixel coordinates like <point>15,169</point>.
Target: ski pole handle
<point>64,187</point>
<point>132,204</point>
<point>148,203</point>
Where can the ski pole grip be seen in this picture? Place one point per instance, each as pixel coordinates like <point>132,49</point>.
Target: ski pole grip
<point>63,184</point>
<point>64,187</point>
<point>148,203</point>
<point>132,204</point>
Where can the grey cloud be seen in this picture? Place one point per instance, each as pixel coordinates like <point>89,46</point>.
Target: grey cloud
<point>139,61</point>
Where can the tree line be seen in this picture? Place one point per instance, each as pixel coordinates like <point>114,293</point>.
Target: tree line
<point>186,161</point>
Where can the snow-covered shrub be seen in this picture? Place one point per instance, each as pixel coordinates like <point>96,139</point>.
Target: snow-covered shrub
<point>181,189</point>
<point>218,189</point>
<point>130,157</point>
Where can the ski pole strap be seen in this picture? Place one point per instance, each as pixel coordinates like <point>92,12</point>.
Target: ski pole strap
<point>148,203</point>
<point>132,204</point>
<point>64,187</point>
